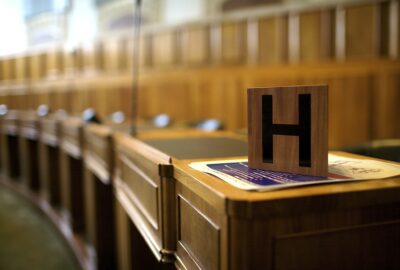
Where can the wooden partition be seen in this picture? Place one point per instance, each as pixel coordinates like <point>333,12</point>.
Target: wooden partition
<point>202,69</point>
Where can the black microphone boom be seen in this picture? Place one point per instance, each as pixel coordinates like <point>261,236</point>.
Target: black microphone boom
<point>135,65</point>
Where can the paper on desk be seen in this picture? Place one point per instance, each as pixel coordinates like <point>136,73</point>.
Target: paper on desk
<point>238,174</point>
<point>362,169</point>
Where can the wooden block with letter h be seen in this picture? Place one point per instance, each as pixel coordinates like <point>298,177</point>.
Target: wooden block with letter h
<point>288,129</point>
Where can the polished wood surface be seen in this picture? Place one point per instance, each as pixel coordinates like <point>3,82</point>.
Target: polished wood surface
<point>254,230</point>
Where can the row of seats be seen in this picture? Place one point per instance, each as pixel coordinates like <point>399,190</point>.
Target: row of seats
<point>68,166</point>
<point>131,203</point>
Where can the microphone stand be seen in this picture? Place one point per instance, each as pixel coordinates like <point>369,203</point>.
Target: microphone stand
<point>135,66</point>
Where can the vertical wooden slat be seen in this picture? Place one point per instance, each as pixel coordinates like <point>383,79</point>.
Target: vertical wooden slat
<point>216,42</point>
<point>233,42</point>
<point>394,29</point>
<point>294,37</point>
<point>195,45</point>
<point>252,41</point>
<point>362,32</point>
<point>340,33</point>
<point>272,37</point>
<point>164,49</point>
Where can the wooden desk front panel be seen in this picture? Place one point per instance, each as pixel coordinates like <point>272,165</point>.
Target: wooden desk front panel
<point>347,226</point>
<point>98,151</point>
<point>50,131</point>
<point>10,126</point>
<point>202,233</point>
<point>359,238</point>
<point>142,187</point>
<point>49,156</point>
<point>72,187</point>
<point>29,157</point>
<point>72,137</point>
<point>139,178</point>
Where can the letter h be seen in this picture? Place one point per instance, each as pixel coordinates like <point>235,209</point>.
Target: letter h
<point>302,130</point>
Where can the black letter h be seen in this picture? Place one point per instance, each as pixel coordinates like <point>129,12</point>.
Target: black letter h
<point>303,129</point>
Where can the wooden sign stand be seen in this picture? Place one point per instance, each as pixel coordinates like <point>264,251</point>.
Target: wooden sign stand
<point>288,129</point>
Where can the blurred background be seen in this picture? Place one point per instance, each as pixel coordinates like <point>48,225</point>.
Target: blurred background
<point>198,57</point>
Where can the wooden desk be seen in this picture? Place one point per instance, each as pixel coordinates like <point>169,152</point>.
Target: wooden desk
<point>99,198</point>
<point>49,155</point>
<point>11,150</point>
<point>29,158</point>
<point>145,188</point>
<point>338,226</point>
<point>204,223</point>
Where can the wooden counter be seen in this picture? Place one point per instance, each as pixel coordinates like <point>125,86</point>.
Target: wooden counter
<point>338,226</point>
<point>202,222</point>
<point>145,187</point>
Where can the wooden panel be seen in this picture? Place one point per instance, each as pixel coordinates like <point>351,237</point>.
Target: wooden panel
<point>6,69</point>
<point>99,56</point>
<point>362,32</point>
<point>37,66</point>
<point>2,69</point>
<point>54,65</point>
<point>69,61</point>
<point>385,98</point>
<point>316,36</point>
<point>233,42</point>
<point>123,238</point>
<point>272,36</point>
<point>20,67</point>
<point>89,59</point>
<point>72,137</point>
<point>144,190</point>
<point>398,30</point>
<point>164,48</point>
<point>340,248</point>
<point>198,235</point>
<point>353,97</point>
<point>98,151</point>
<point>112,55</point>
<point>195,45</point>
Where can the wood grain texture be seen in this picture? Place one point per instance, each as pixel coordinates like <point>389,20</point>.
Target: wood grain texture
<point>145,192</point>
<point>330,226</point>
<point>272,36</point>
<point>361,32</point>
<point>285,104</point>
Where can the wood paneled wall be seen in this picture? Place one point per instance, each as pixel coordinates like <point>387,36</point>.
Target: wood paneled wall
<point>200,70</point>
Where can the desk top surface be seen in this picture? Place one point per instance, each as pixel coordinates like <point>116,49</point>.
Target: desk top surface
<point>248,203</point>
<point>200,147</point>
